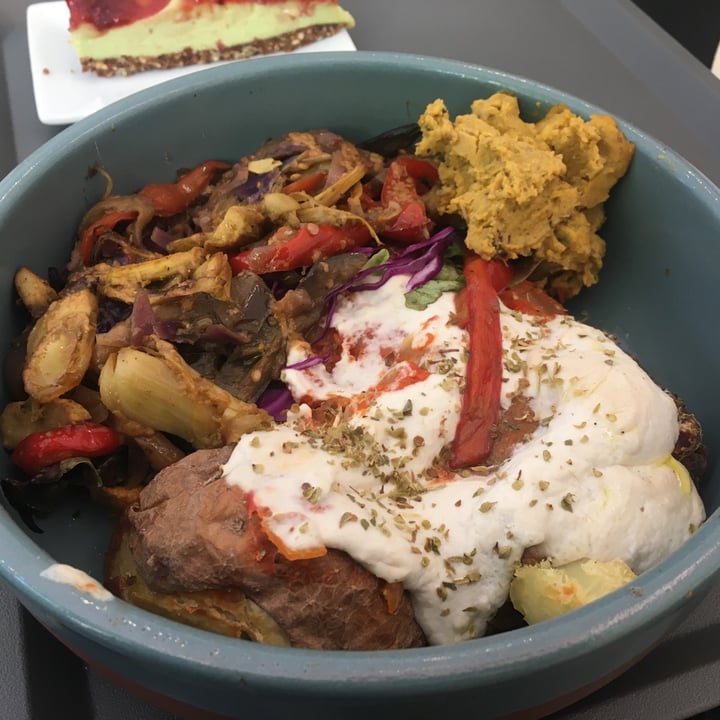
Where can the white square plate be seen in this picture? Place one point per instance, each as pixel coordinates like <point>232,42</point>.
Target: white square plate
<point>65,94</point>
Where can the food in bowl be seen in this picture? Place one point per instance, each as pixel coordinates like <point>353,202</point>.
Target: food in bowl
<point>448,420</point>
<point>117,40</point>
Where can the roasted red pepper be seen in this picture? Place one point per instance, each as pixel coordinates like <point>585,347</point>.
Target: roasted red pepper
<point>406,179</point>
<point>400,376</point>
<point>480,409</point>
<point>422,172</point>
<point>411,225</point>
<point>42,449</point>
<point>307,183</point>
<point>528,298</point>
<point>288,249</point>
<point>172,198</point>
<point>102,225</point>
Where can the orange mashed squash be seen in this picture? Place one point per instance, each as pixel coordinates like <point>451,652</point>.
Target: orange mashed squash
<point>528,189</point>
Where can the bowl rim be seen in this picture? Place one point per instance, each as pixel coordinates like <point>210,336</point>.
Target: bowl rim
<point>485,661</point>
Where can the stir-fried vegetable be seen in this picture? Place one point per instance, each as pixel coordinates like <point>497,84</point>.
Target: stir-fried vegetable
<point>289,249</point>
<point>159,390</point>
<point>26,417</point>
<point>60,345</point>
<point>35,292</point>
<point>172,198</point>
<point>307,183</point>
<point>178,301</point>
<point>403,188</point>
<point>102,225</point>
<point>42,449</point>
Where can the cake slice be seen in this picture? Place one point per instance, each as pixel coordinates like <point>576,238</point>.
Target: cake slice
<point>123,37</point>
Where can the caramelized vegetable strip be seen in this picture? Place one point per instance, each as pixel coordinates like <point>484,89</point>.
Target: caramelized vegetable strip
<point>35,293</point>
<point>212,277</point>
<point>282,209</point>
<point>159,390</point>
<point>122,282</point>
<point>158,450</point>
<point>113,205</point>
<point>298,208</point>
<point>331,195</point>
<point>172,198</point>
<point>60,346</point>
<point>20,419</point>
<point>241,224</point>
<point>105,224</point>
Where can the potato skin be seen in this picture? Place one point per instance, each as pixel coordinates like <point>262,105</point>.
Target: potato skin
<point>191,531</point>
<point>226,611</point>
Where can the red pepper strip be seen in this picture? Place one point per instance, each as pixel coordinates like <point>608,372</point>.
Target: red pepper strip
<point>288,249</point>
<point>270,522</point>
<point>307,183</point>
<point>527,298</point>
<point>42,449</point>
<point>500,274</point>
<point>369,196</point>
<point>480,409</point>
<point>403,186</point>
<point>411,225</point>
<point>421,171</point>
<point>400,376</point>
<point>171,198</point>
<point>102,225</point>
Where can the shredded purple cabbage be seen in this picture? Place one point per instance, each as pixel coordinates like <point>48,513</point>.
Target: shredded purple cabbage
<point>430,268</point>
<point>143,322</point>
<point>256,185</point>
<point>276,400</point>
<point>422,261</point>
<point>142,318</point>
<point>308,362</point>
<point>160,238</point>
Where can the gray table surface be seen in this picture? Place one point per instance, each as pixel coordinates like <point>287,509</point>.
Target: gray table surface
<point>607,52</point>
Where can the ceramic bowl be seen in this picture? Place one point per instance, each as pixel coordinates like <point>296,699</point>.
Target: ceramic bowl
<point>657,295</point>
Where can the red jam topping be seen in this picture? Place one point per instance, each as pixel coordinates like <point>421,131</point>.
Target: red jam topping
<point>107,14</point>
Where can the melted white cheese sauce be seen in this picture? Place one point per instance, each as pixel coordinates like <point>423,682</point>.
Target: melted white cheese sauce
<point>595,480</point>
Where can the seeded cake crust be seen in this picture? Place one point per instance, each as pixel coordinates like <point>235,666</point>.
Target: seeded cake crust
<point>129,65</point>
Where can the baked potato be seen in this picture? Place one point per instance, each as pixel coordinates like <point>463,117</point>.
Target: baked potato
<point>225,611</point>
<point>198,550</point>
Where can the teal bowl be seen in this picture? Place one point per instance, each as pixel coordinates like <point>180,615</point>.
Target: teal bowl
<point>658,295</point>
